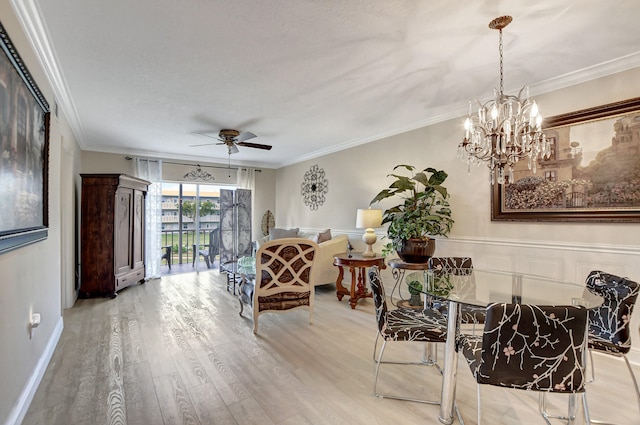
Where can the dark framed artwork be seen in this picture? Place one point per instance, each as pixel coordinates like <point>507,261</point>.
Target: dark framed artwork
<point>592,174</point>
<point>24,152</point>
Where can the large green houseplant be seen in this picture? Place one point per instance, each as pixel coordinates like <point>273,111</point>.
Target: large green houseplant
<point>423,212</point>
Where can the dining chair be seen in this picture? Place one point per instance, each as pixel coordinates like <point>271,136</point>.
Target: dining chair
<point>609,331</point>
<point>530,347</point>
<point>210,251</point>
<point>458,266</point>
<point>284,277</point>
<point>402,324</point>
<point>166,255</point>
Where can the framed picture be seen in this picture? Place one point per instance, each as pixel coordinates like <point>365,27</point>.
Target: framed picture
<point>592,174</point>
<point>24,152</point>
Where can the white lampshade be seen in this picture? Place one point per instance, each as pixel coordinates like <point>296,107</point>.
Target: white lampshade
<point>368,219</point>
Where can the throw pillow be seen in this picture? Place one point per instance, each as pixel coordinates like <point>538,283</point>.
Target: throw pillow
<point>323,236</point>
<point>275,233</point>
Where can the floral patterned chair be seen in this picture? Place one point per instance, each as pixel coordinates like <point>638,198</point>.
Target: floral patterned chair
<point>458,266</point>
<point>403,324</point>
<point>609,324</point>
<point>530,347</point>
<point>284,277</point>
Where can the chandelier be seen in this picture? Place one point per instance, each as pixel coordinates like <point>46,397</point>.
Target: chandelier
<point>505,129</point>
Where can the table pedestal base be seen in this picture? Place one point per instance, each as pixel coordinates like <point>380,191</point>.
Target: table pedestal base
<point>358,268</point>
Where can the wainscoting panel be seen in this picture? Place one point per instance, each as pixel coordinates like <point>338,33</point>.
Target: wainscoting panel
<point>568,262</point>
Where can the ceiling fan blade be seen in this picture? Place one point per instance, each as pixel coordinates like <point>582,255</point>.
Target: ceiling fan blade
<point>233,149</point>
<point>255,145</point>
<point>245,136</point>
<point>203,144</point>
<point>208,134</point>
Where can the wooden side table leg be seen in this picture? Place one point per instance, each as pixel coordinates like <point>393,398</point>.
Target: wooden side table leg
<point>340,290</point>
<point>362,287</point>
<point>353,300</point>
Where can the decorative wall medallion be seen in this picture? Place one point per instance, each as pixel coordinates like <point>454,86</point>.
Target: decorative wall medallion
<point>314,187</point>
<point>268,221</point>
<point>198,174</point>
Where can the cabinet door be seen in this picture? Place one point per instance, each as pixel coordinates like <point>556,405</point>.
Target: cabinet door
<point>123,231</point>
<point>138,229</point>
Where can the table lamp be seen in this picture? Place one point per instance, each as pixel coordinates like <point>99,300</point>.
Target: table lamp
<point>368,219</point>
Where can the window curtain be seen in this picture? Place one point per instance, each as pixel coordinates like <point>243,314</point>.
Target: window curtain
<point>246,178</point>
<point>151,170</point>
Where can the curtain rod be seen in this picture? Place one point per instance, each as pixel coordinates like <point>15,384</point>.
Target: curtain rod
<point>129,158</point>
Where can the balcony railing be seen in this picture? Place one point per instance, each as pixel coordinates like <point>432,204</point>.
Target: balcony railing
<point>181,243</point>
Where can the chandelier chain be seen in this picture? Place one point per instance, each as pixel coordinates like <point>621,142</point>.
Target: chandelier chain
<point>501,50</point>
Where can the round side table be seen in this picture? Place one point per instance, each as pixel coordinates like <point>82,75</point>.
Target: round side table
<point>357,265</point>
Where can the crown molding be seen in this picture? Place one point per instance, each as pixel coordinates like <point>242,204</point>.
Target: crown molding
<point>30,18</point>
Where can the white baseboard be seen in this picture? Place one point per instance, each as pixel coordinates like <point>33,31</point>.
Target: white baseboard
<point>24,401</point>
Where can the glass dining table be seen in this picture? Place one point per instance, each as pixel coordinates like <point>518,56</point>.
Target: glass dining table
<point>477,287</point>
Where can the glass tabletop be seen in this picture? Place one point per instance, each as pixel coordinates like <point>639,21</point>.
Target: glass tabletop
<point>243,265</point>
<point>480,287</point>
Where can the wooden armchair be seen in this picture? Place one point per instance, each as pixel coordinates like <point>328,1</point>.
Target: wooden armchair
<point>284,277</point>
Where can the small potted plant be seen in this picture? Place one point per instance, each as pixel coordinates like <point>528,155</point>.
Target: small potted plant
<point>415,288</point>
<point>423,212</point>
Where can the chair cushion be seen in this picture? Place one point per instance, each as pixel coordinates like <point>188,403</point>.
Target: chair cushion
<point>410,324</point>
<point>603,344</point>
<point>283,301</point>
<point>471,348</point>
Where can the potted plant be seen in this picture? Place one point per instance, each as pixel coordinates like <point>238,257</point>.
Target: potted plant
<point>415,288</point>
<point>423,212</point>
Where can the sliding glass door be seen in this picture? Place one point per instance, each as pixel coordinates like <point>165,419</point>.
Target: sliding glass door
<point>190,226</point>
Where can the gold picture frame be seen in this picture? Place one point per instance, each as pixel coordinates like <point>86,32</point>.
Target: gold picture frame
<point>592,175</point>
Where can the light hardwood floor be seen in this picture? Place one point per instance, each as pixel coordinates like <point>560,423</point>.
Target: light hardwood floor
<point>175,351</point>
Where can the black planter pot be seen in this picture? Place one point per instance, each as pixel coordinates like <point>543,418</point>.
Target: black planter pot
<point>415,250</point>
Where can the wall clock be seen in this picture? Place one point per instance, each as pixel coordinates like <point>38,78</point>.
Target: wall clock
<point>314,187</point>
<point>267,222</point>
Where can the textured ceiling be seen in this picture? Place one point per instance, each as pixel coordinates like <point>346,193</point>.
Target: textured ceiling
<point>308,76</point>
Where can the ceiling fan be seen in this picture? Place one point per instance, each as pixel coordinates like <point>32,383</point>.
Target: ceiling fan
<point>232,139</point>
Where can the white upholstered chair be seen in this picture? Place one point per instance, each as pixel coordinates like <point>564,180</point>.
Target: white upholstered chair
<point>284,277</point>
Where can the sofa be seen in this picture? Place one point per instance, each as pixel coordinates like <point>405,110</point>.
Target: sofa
<point>328,247</point>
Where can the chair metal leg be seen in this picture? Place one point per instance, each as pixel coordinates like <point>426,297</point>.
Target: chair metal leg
<point>593,369</point>
<point>542,408</point>
<point>479,405</point>
<point>429,357</point>
<point>585,406</point>
<point>633,378</point>
<point>375,346</point>
<point>375,380</point>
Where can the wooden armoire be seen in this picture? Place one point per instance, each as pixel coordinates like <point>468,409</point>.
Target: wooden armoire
<point>112,233</point>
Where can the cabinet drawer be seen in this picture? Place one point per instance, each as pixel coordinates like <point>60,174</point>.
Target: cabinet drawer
<point>125,280</point>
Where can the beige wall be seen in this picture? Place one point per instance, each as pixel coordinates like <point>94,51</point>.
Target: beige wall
<point>355,175</point>
<point>34,276</point>
<point>566,251</point>
<point>264,194</point>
